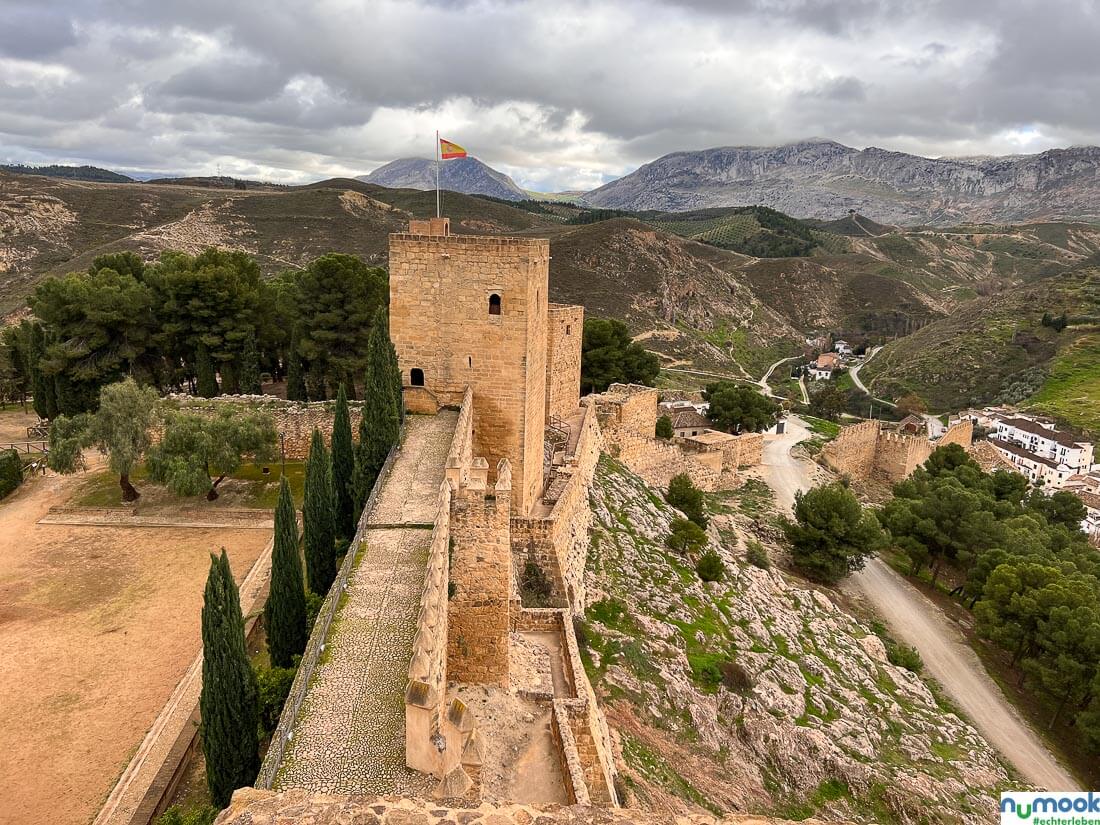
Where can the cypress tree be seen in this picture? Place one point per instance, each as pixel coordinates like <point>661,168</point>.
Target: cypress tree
<point>250,368</point>
<point>285,611</point>
<point>230,382</point>
<point>228,703</point>
<point>317,518</point>
<point>205,381</point>
<point>382,319</point>
<point>295,372</point>
<point>343,468</point>
<point>380,425</point>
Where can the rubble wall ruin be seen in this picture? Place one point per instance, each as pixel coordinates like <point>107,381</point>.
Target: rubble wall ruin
<point>294,420</point>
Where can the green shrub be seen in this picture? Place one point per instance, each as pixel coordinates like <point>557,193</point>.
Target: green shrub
<point>686,537</point>
<point>710,567</point>
<point>534,587</point>
<point>11,471</point>
<point>757,555</point>
<point>197,815</point>
<point>608,612</point>
<point>314,603</point>
<point>687,498</point>
<point>904,656</point>
<point>664,427</point>
<point>274,686</point>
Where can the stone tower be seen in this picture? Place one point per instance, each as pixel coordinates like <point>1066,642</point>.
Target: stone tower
<point>470,310</point>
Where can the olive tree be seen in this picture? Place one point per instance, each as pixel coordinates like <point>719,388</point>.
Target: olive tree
<point>119,429</point>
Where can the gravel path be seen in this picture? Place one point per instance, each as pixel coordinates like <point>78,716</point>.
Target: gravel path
<point>918,622</point>
<point>350,735</point>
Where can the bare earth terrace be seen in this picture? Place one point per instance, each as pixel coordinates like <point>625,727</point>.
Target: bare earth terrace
<point>349,736</point>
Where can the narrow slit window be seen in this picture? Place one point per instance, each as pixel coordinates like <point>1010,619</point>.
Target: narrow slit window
<point>416,377</point>
<point>494,304</point>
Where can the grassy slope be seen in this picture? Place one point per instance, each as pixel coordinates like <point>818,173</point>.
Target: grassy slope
<point>987,345</point>
<point>1072,391</point>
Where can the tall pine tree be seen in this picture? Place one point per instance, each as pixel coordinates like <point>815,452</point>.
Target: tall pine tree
<point>317,518</point>
<point>379,427</point>
<point>285,612</point>
<point>228,703</point>
<point>206,384</point>
<point>343,468</point>
<point>295,372</point>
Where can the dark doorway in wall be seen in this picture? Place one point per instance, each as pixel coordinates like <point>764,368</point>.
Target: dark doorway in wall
<point>416,377</point>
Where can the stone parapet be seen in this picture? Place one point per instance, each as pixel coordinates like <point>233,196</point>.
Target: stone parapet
<point>250,806</point>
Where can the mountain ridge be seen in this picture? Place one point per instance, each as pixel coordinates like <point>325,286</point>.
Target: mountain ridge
<point>823,178</point>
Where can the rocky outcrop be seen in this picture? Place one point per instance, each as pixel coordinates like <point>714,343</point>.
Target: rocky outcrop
<point>467,175</point>
<point>824,179</point>
<point>758,693</point>
<point>253,807</point>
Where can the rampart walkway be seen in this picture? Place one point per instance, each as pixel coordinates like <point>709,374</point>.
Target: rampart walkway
<point>350,733</point>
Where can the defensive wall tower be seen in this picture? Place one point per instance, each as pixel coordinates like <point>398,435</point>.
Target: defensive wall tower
<point>472,311</point>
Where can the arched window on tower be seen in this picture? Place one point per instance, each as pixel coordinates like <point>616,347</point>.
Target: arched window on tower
<point>494,304</point>
<point>416,377</point>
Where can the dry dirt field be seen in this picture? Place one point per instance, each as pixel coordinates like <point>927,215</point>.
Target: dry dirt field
<point>14,423</point>
<point>97,624</point>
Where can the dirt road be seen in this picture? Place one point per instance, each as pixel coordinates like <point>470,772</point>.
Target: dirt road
<point>916,621</point>
<point>949,660</point>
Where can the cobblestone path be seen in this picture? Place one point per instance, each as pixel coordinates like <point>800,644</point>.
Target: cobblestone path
<point>349,737</point>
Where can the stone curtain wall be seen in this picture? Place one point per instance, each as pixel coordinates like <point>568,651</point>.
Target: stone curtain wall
<point>300,686</point>
<point>294,420</point>
<point>426,694</point>
<point>897,455</point>
<point>961,433</point>
<point>852,452</point>
<point>565,332</point>
<point>440,286</point>
<point>751,449</point>
<point>864,451</point>
<point>558,543</point>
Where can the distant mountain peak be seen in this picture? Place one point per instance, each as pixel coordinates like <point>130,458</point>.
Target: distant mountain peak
<point>467,175</point>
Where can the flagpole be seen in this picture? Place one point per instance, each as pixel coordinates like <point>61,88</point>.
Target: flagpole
<point>437,162</point>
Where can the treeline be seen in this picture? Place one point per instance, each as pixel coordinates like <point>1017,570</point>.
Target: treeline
<point>597,215</point>
<point>205,324</point>
<point>1027,571</point>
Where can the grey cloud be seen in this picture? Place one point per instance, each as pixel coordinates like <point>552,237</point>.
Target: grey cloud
<point>30,32</point>
<point>575,91</point>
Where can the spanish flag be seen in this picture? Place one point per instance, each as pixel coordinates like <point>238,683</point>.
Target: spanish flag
<point>448,150</point>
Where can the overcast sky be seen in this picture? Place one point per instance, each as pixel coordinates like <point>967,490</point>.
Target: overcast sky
<point>559,94</point>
